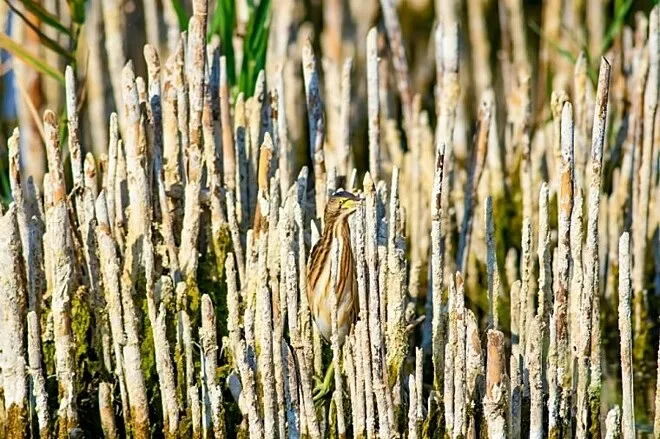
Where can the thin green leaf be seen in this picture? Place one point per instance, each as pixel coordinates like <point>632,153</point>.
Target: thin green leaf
<point>41,66</point>
<point>563,52</point>
<point>223,24</point>
<point>181,14</point>
<point>44,16</point>
<point>43,38</point>
<point>77,10</point>
<point>259,31</point>
<point>615,27</point>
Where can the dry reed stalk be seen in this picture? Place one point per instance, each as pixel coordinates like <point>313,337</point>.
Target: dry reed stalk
<point>526,300</point>
<point>560,384</point>
<point>158,125</point>
<point>446,102</point>
<point>450,356</point>
<point>110,270</point>
<point>315,120</point>
<point>580,79</point>
<point>209,350</point>
<point>590,321</point>
<point>613,423</point>
<point>265,359</point>
<point>478,34</point>
<point>164,366</point>
<point>535,370</point>
<point>475,373</point>
<point>373,104</point>
<point>171,144</point>
<point>60,245</point>
<point>495,399</point>
<point>641,222</point>
<point>138,223</point>
<point>84,196</point>
<point>114,48</point>
<point>363,337</point>
<point>95,86</point>
<point>12,347</point>
<point>397,335</point>
<point>399,61</point>
<point>31,230</point>
<point>110,175</point>
<point>151,21</point>
<point>193,149</point>
<point>625,331</point>
<point>238,347</point>
<point>478,162</point>
<point>492,270</point>
<point>375,324</point>
<point>656,420</point>
<point>241,158</point>
<point>460,361</point>
<point>437,271</point>
<point>577,278</point>
<point>514,393</point>
<point>107,412</point>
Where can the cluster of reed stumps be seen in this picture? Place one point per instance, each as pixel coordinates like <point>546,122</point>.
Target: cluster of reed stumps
<point>199,214</point>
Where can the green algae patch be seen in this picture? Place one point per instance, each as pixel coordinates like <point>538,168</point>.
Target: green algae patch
<point>594,402</point>
<point>89,366</point>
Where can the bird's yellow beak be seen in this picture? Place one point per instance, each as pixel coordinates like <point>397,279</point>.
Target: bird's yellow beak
<point>351,204</point>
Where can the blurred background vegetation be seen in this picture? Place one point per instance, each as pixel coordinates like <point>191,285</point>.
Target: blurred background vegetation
<point>47,35</point>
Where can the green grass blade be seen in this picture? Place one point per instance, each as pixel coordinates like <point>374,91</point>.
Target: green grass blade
<point>38,64</point>
<point>43,38</point>
<point>223,24</point>
<point>77,10</point>
<point>181,14</point>
<point>613,30</point>
<point>563,52</point>
<point>44,16</point>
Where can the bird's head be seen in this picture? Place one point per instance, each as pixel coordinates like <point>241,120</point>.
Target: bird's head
<point>341,204</point>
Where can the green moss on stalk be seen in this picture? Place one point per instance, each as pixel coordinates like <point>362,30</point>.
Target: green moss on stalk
<point>89,371</point>
<point>434,424</point>
<point>553,433</point>
<point>400,417</point>
<point>594,403</point>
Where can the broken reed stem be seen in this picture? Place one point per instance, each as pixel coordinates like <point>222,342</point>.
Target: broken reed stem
<point>613,423</point>
<point>625,332</point>
<point>12,345</point>
<point>476,170</point>
<point>60,244</point>
<point>437,270</point>
<point>238,347</point>
<point>641,218</point>
<point>164,366</point>
<point>492,270</point>
<point>31,231</point>
<point>399,61</point>
<point>590,322</point>
<point>375,324</point>
<point>373,103</point>
<point>495,400</point>
<point>535,370</point>
<point>196,62</point>
<point>560,384</point>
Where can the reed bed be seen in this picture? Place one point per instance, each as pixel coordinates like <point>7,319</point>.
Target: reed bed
<point>507,248</point>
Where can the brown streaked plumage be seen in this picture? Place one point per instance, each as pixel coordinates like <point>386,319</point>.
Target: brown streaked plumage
<point>337,210</point>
